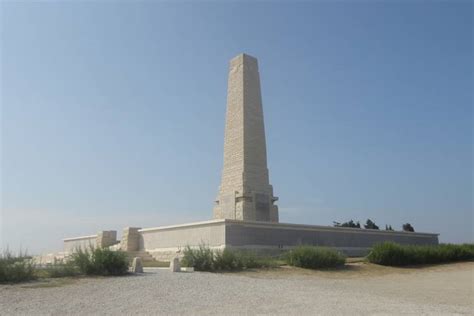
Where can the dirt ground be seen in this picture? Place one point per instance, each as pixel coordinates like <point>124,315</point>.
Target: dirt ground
<point>360,288</point>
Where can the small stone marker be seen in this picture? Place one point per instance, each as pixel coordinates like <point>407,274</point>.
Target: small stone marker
<point>175,265</point>
<point>137,266</point>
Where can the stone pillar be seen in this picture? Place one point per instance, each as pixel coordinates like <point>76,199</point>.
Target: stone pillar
<point>106,238</point>
<point>175,265</point>
<point>245,192</point>
<point>137,266</point>
<point>130,239</point>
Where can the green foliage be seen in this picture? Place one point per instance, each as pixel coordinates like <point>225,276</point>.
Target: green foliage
<point>59,270</point>
<point>202,258</point>
<point>205,259</point>
<point>350,223</point>
<point>16,268</point>
<point>370,225</point>
<point>100,261</point>
<point>156,264</point>
<point>227,260</point>
<point>314,257</point>
<point>392,254</point>
<point>408,228</point>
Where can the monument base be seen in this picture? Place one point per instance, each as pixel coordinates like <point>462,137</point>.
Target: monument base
<point>266,238</point>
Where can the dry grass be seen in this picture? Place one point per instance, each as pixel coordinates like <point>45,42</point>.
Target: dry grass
<point>355,270</point>
<point>156,264</point>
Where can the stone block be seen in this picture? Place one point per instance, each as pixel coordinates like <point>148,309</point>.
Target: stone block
<point>187,269</point>
<point>137,266</point>
<point>130,239</point>
<point>175,265</point>
<point>106,238</point>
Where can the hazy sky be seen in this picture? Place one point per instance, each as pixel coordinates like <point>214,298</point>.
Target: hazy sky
<point>113,113</point>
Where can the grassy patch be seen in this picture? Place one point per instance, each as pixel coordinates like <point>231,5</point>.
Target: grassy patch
<point>16,268</point>
<point>58,270</point>
<point>206,259</point>
<point>100,261</point>
<point>311,257</point>
<point>392,254</point>
<point>156,264</point>
<point>93,261</point>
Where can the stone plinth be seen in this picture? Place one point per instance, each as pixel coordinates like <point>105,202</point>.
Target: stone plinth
<point>106,238</point>
<point>175,265</point>
<point>137,266</point>
<point>269,238</point>
<point>130,239</point>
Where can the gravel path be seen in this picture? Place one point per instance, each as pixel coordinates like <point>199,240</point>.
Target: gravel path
<point>444,289</point>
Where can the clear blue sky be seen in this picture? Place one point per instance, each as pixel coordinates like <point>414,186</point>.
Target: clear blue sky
<point>113,113</point>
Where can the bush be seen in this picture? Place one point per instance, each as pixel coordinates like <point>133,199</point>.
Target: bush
<point>314,257</point>
<point>60,270</point>
<point>202,259</point>
<point>370,224</point>
<point>15,269</point>
<point>408,228</point>
<point>205,259</point>
<point>100,261</point>
<point>392,254</point>
<point>350,223</point>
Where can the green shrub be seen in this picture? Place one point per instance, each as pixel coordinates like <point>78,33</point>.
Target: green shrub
<point>60,270</point>
<point>15,269</point>
<point>227,260</point>
<point>202,258</point>
<point>370,224</point>
<point>250,260</point>
<point>350,223</point>
<point>407,227</point>
<point>100,261</point>
<point>392,254</point>
<point>312,257</point>
<point>205,259</point>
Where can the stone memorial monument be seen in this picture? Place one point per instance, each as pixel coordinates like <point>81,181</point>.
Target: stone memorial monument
<point>245,214</point>
<point>245,192</point>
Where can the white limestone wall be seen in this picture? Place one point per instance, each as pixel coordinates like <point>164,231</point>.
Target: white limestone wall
<point>103,238</point>
<point>83,242</point>
<point>273,238</point>
<point>163,243</point>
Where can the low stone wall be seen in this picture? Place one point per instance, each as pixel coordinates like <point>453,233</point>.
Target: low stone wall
<point>103,238</point>
<point>269,238</point>
<point>273,238</point>
<point>163,243</point>
<point>83,242</point>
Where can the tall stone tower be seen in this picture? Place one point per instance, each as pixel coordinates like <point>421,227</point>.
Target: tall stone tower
<point>245,192</point>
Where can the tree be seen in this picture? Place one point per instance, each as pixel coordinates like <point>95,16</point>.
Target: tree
<point>408,228</point>
<point>370,225</point>
<point>388,227</point>
<point>347,224</point>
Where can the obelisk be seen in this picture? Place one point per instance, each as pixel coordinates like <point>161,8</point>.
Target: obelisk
<point>245,192</point>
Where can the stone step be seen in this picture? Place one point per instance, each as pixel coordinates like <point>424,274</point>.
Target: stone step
<point>144,255</point>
